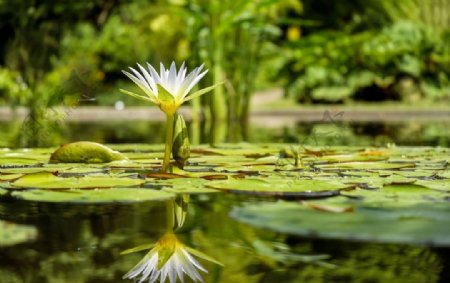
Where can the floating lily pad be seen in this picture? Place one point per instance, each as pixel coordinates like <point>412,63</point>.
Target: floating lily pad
<point>17,161</point>
<point>187,186</point>
<point>8,177</point>
<point>60,168</point>
<point>12,234</point>
<point>94,196</point>
<point>365,166</point>
<point>281,187</point>
<point>422,224</point>
<point>442,185</point>
<point>47,180</point>
<point>399,195</point>
<point>352,158</point>
<point>3,191</point>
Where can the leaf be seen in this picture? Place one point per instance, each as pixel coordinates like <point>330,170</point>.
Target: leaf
<point>399,195</point>
<point>85,152</point>
<point>421,224</point>
<point>187,186</point>
<point>17,161</point>
<point>162,175</point>
<point>365,166</point>
<point>121,195</point>
<point>9,177</point>
<point>440,185</point>
<point>328,208</point>
<point>280,187</point>
<point>46,180</point>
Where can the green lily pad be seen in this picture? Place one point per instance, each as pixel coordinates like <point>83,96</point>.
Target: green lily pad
<point>60,168</point>
<point>399,195</point>
<point>280,186</point>
<point>47,180</point>
<point>365,166</point>
<point>8,177</point>
<point>187,186</point>
<point>3,191</point>
<point>85,152</point>
<point>242,149</point>
<point>442,185</point>
<point>12,234</point>
<point>416,173</point>
<point>17,161</point>
<point>422,224</point>
<point>122,195</point>
<point>351,158</point>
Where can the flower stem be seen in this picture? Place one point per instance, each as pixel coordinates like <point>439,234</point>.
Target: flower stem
<point>170,215</point>
<point>169,142</point>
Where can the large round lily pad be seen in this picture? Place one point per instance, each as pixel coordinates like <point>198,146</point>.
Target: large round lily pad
<point>422,224</point>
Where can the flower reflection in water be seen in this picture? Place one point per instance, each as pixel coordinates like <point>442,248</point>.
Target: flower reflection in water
<point>169,258</point>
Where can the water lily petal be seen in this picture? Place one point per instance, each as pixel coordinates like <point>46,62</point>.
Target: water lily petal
<point>140,84</point>
<point>181,74</point>
<point>149,79</point>
<point>194,82</point>
<point>171,80</point>
<point>154,74</point>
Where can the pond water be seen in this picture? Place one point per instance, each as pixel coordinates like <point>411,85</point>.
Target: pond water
<point>320,133</point>
<point>362,133</point>
<point>82,243</point>
<point>79,243</point>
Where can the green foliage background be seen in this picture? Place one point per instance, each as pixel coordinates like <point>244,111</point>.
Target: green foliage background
<point>313,48</point>
<point>57,53</point>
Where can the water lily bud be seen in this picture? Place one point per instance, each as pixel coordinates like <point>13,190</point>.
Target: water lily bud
<point>181,147</point>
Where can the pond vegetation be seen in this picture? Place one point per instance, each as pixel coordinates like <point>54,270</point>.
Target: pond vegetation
<point>343,177</point>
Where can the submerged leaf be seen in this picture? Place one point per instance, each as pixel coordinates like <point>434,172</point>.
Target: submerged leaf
<point>12,234</point>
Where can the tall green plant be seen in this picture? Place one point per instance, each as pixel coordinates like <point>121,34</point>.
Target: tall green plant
<point>230,36</point>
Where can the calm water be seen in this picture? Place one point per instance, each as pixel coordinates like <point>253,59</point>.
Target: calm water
<point>82,243</point>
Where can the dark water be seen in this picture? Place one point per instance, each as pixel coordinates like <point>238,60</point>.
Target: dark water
<point>417,133</point>
<point>320,133</point>
<point>82,244</point>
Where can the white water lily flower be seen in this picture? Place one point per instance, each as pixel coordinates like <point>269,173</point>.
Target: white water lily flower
<point>168,89</point>
<point>168,259</point>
